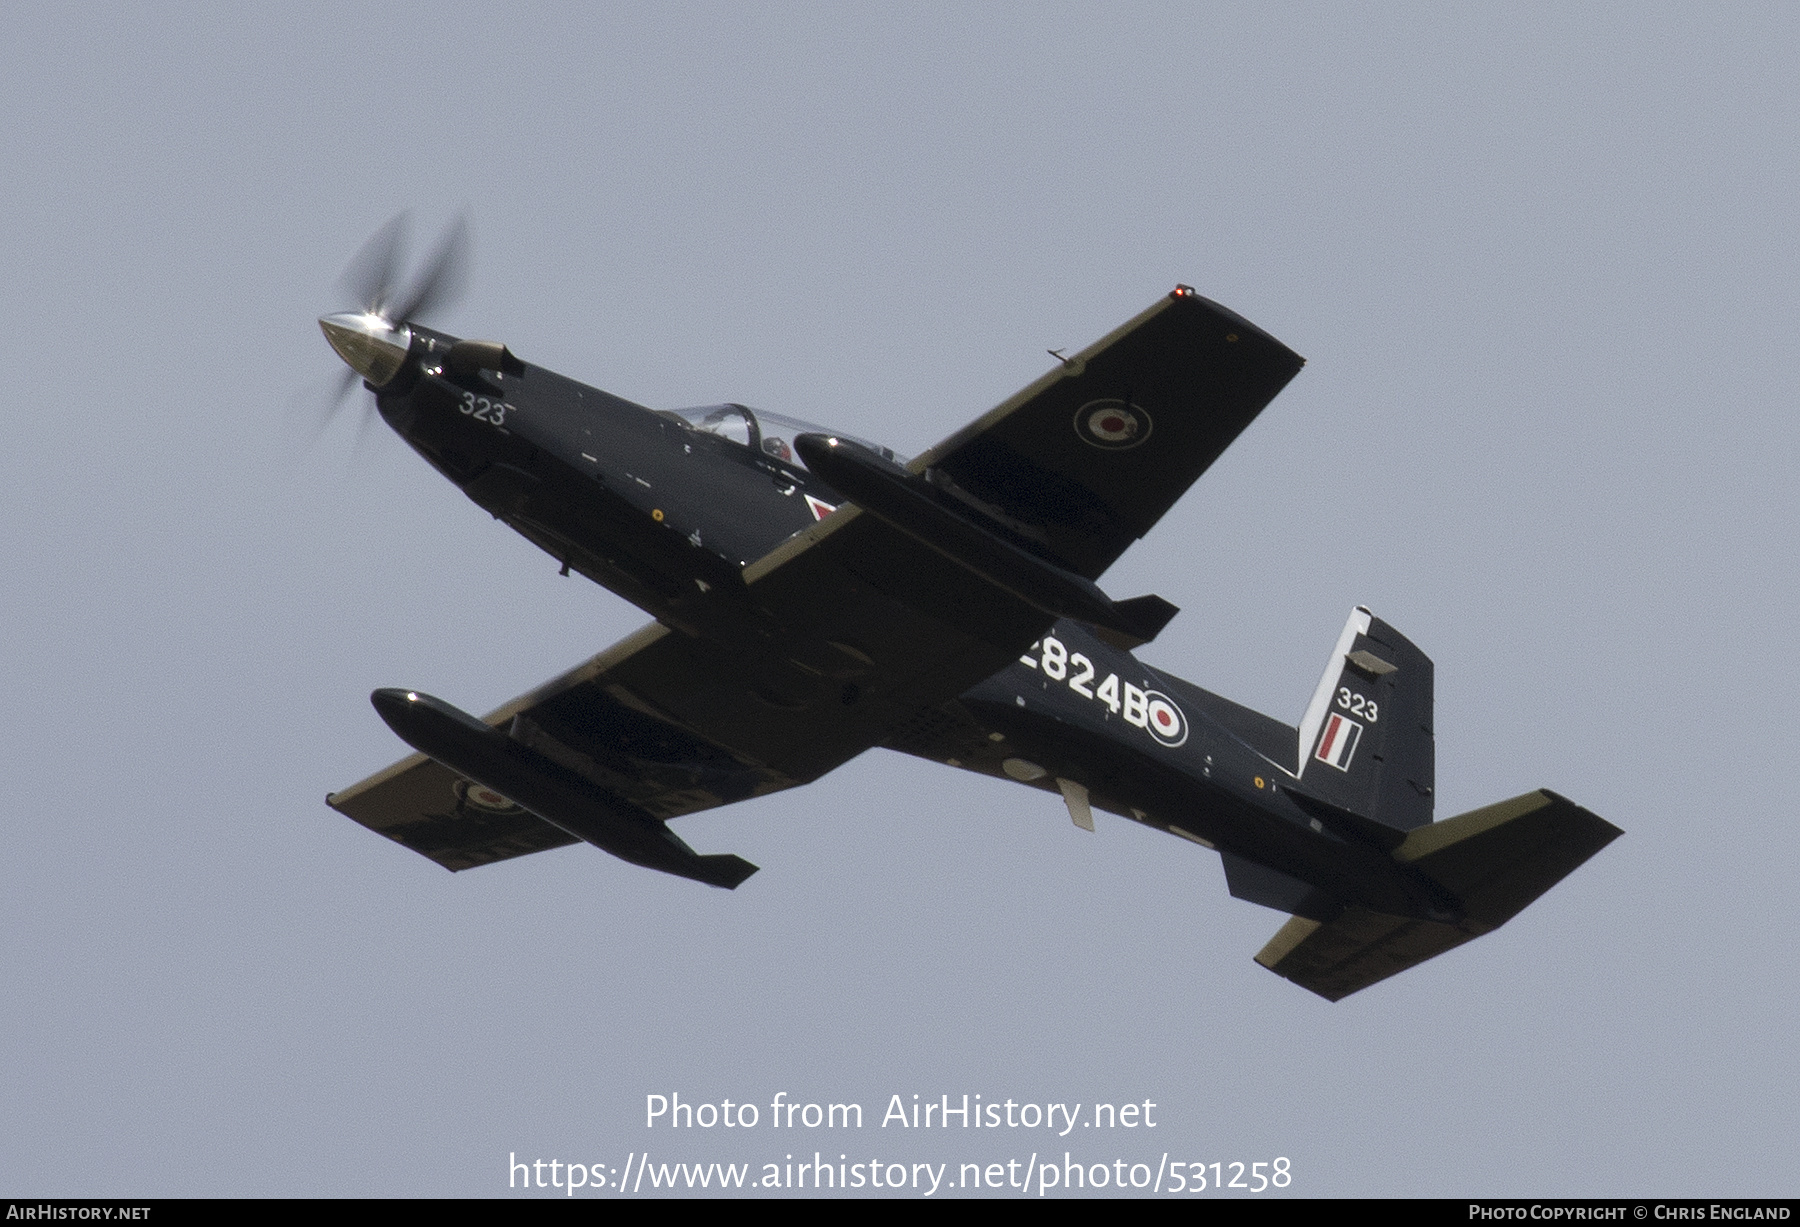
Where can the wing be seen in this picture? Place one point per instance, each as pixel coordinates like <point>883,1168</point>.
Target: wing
<point>852,633</point>
<point>1087,459</point>
<point>587,721</point>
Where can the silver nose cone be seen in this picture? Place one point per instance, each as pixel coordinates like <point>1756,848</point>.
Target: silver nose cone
<point>368,344</point>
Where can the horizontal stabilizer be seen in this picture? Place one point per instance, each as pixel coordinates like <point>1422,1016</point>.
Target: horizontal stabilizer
<point>1499,858</point>
<point>1495,860</point>
<point>1354,951</point>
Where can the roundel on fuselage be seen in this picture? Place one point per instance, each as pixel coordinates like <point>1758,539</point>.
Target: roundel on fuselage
<point>1164,719</point>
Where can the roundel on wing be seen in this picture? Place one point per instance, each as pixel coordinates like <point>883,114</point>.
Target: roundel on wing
<point>1113,425</point>
<point>481,797</point>
<point>1164,720</point>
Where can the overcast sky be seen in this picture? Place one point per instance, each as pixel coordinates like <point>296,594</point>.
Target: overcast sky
<point>1541,261</point>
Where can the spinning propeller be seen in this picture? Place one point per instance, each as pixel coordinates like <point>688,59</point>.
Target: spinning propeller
<point>374,341</point>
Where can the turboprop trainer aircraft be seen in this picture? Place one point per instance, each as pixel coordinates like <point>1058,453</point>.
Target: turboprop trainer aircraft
<point>815,595</point>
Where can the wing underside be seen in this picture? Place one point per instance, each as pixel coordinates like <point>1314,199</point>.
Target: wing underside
<point>1085,460</point>
<point>588,722</point>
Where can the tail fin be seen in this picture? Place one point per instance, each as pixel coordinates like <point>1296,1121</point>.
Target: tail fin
<point>1495,860</point>
<point>1366,744</point>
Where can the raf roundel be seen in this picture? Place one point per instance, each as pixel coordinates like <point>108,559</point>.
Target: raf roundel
<point>479,796</point>
<point>1112,425</point>
<point>1164,719</point>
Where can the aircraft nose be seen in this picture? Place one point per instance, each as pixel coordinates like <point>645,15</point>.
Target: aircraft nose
<point>368,344</point>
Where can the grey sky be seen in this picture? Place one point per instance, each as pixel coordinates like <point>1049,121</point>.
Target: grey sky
<point>1540,259</point>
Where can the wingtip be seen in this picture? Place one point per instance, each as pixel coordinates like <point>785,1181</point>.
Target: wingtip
<point>723,869</point>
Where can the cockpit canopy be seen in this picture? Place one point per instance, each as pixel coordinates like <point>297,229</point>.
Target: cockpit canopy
<point>769,433</point>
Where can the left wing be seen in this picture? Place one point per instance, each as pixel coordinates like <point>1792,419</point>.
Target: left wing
<point>585,721</point>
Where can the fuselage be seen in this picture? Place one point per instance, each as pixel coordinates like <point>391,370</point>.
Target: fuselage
<point>648,504</point>
<point>667,508</point>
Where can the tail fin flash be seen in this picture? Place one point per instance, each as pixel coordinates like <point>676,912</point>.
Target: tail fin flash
<point>1366,744</point>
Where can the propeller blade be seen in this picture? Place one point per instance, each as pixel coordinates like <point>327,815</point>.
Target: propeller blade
<point>313,408</point>
<point>370,413</point>
<point>346,384</point>
<point>444,275</point>
<point>369,277</point>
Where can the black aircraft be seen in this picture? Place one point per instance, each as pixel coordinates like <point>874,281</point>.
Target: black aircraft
<point>815,595</point>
